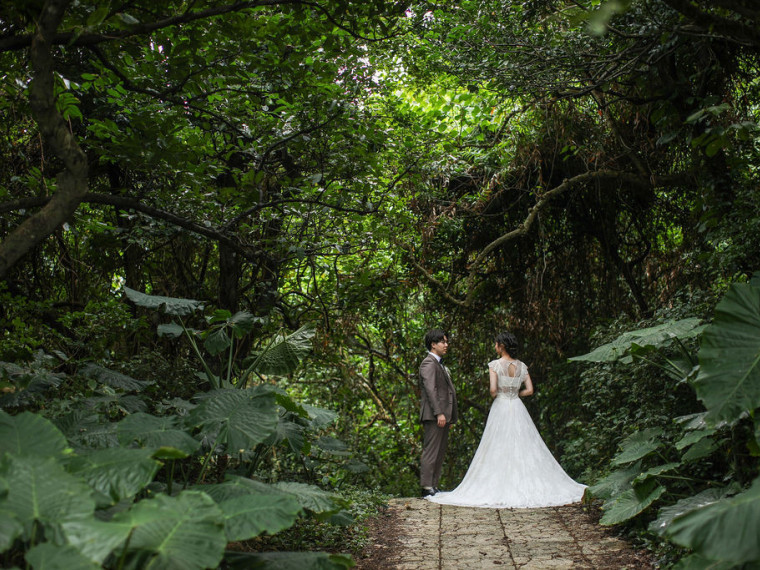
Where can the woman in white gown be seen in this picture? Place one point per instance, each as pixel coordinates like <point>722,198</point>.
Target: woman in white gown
<point>512,467</point>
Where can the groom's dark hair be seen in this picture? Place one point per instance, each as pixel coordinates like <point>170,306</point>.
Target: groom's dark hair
<point>509,342</point>
<point>433,336</point>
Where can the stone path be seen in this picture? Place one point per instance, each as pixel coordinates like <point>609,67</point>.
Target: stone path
<point>425,536</point>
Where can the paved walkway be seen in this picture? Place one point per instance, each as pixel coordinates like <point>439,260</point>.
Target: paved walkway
<point>428,536</point>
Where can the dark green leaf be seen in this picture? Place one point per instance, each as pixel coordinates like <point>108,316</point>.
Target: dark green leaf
<point>729,377</point>
<point>30,434</point>
<point>168,305</point>
<point>725,530</point>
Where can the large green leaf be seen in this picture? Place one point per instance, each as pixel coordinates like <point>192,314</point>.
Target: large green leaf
<point>48,556</point>
<point>284,354</point>
<point>114,379</point>
<point>169,305</point>
<point>40,489</point>
<point>288,561</point>
<point>639,444</point>
<point>655,471</point>
<point>311,497</point>
<point>666,515</point>
<point>236,486</point>
<point>698,562</point>
<point>728,382</point>
<point>243,418</point>
<point>117,473</point>
<point>10,528</point>
<point>290,429</point>
<point>94,538</point>
<point>250,515</point>
<point>30,434</point>
<point>320,417</point>
<point>724,530</point>
<point>154,432</point>
<point>183,532</point>
<point>616,482</point>
<point>652,337</point>
<point>631,502</point>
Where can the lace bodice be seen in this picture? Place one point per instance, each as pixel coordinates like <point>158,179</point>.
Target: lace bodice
<point>511,374</point>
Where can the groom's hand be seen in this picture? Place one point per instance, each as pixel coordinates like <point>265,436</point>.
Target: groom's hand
<point>441,420</point>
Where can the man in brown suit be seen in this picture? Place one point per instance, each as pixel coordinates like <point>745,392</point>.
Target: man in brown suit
<point>438,410</point>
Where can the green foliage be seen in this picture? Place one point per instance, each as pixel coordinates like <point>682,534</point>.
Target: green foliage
<point>713,521</point>
<point>108,497</point>
<point>728,382</point>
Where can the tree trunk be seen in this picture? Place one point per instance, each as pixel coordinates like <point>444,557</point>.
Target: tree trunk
<point>72,181</point>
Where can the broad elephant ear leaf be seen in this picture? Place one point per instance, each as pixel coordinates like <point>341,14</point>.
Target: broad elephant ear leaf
<point>169,305</point>
<point>724,530</point>
<point>288,560</point>
<point>10,529</point>
<point>638,445</point>
<point>243,418</point>
<point>643,339</point>
<point>39,489</point>
<point>48,556</point>
<point>284,354</point>
<point>114,379</point>
<point>630,503</point>
<point>728,382</point>
<point>155,432</point>
<point>30,434</point>
<point>186,531</point>
<point>116,473</point>
<point>666,515</point>
<point>248,516</point>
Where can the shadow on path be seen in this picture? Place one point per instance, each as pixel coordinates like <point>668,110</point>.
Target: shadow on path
<point>415,534</point>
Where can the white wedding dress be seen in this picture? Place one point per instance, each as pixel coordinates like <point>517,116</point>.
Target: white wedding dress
<point>512,467</point>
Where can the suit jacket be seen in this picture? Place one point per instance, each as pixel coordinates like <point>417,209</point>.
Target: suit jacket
<point>437,391</point>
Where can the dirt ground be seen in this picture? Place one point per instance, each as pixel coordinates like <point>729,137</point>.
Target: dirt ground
<point>415,534</point>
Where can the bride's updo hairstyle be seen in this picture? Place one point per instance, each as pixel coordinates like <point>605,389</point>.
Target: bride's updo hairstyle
<point>508,342</point>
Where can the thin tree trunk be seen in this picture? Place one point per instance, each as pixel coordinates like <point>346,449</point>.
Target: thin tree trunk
<point>72,181</point>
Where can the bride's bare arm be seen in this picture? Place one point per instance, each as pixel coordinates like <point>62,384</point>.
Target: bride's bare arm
<point>494,382</point>
<point>528,390</point>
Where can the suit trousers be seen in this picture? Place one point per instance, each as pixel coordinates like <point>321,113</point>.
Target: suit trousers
<point>434,441</point>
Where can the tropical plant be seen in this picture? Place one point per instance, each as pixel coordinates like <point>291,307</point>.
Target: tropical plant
<point>134,493</point>
<point>708,501</point>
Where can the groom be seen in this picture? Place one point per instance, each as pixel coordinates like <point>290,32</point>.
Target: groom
<point>438,410</point>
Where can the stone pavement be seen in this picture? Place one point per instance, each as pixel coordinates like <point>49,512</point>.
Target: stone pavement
<point>429,536</point>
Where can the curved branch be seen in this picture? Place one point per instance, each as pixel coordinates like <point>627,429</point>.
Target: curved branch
<point>15,43</point>
<point>127,203</point>
<point>524,227</point>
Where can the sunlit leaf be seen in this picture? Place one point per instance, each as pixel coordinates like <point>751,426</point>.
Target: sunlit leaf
<point>630,503</point>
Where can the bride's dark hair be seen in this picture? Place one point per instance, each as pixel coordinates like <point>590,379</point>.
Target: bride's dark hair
<point>508,342</point>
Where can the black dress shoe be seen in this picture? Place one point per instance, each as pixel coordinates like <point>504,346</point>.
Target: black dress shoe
<point>427,492</point>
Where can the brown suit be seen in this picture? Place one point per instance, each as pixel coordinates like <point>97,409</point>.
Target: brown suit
<point>437,397</point>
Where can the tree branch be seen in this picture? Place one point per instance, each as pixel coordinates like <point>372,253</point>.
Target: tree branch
<point>72,181</point>
<point>524,227</point>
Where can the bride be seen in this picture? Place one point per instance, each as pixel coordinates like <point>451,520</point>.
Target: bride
<point>512,467</point>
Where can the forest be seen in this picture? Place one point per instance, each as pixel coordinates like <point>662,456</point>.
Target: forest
<point>226,225</point>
